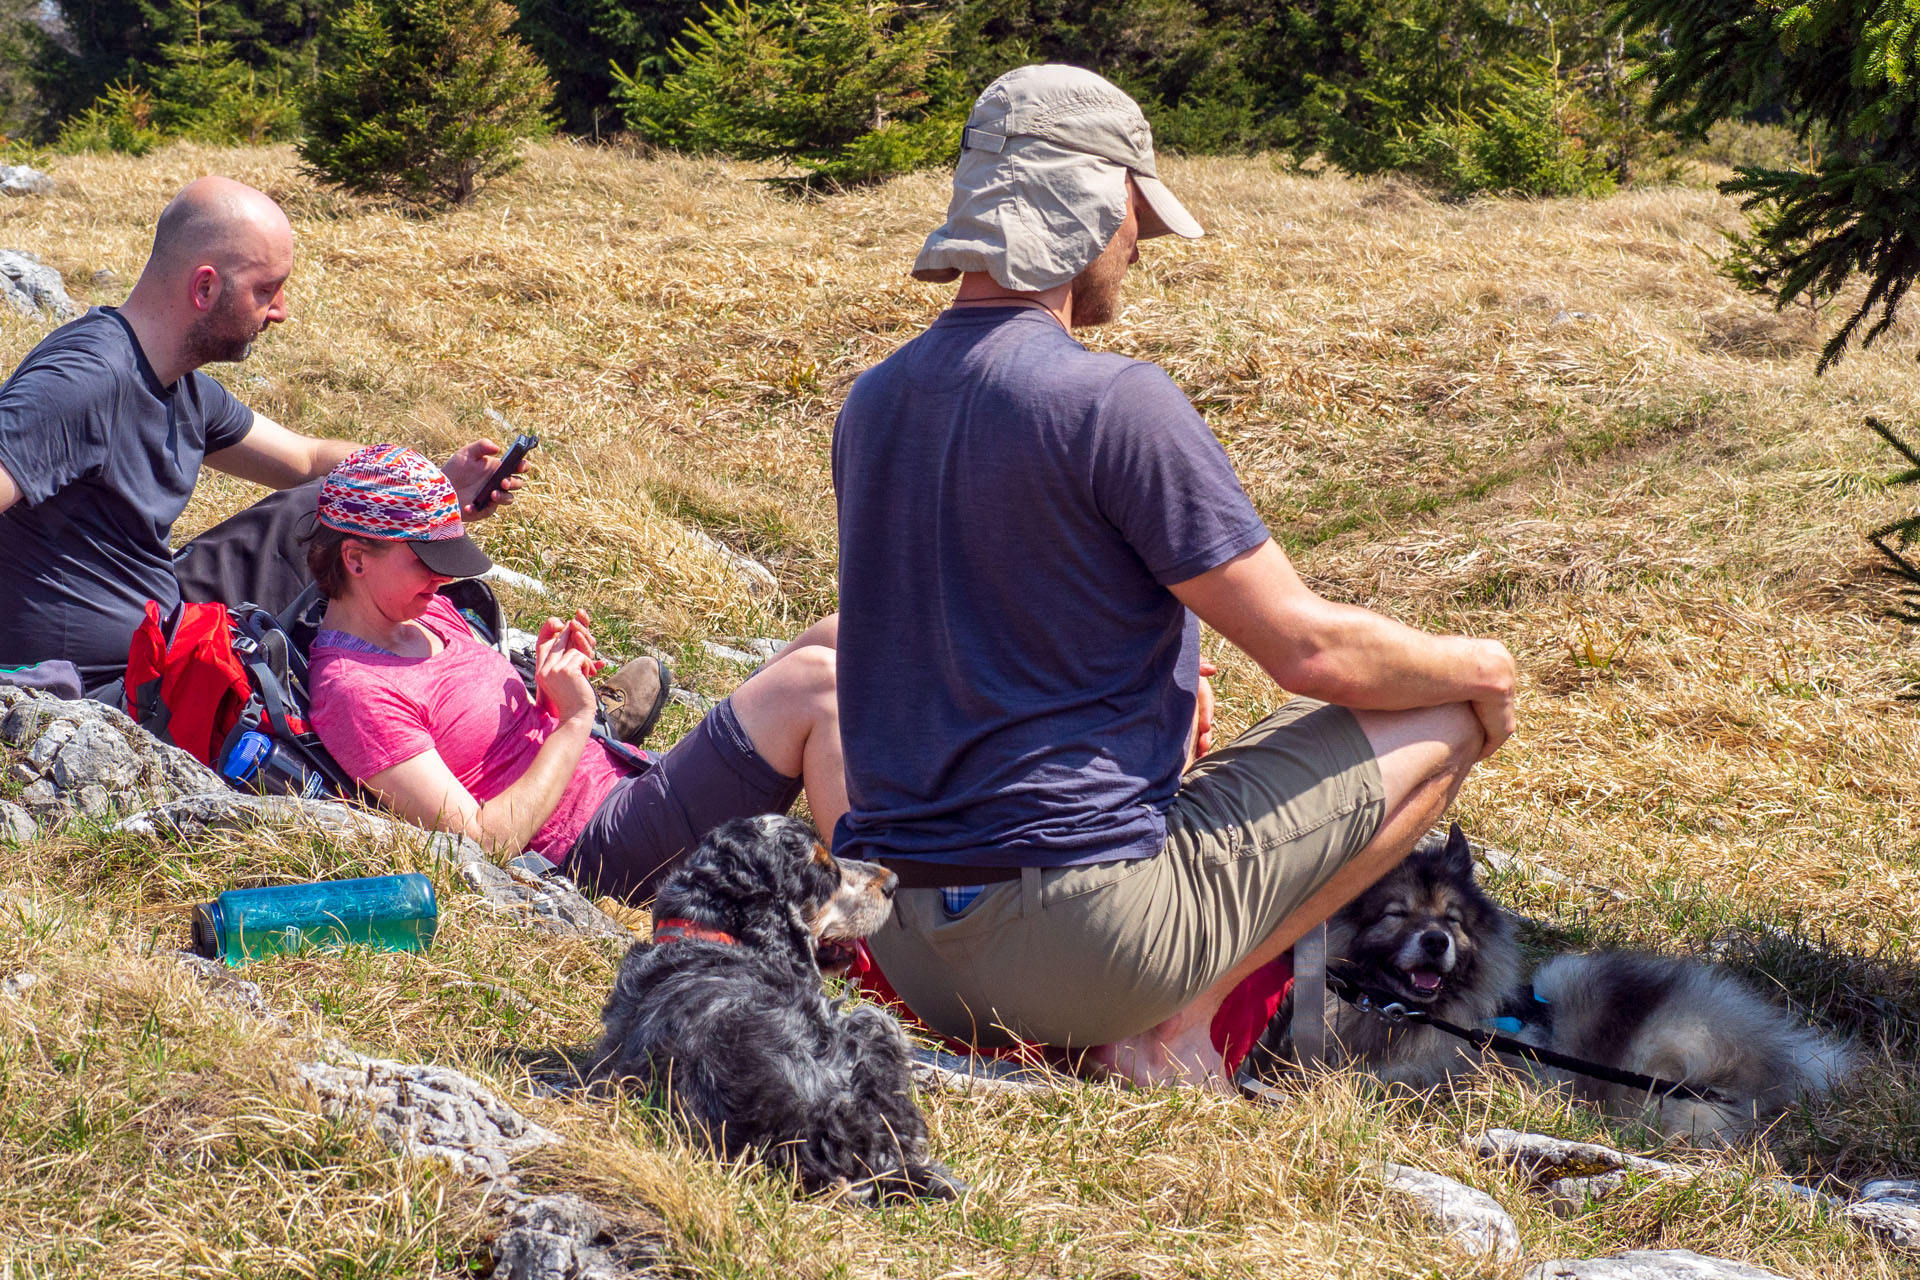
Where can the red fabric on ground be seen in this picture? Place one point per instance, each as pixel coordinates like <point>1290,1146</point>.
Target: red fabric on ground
<point>1236,1027</point>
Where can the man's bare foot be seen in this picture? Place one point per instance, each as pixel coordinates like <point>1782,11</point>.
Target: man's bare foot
<point>1152,1058</point>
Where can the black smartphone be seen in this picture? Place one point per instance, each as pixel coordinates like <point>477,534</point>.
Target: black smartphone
<point>522,446</point>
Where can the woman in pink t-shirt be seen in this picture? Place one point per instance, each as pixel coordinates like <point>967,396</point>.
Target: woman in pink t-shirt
<point>442,729</point>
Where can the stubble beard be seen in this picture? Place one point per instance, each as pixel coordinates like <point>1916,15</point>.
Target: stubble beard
<point>223,334</point>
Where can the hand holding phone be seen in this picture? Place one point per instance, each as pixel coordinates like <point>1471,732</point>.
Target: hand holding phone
<point>509,465</point>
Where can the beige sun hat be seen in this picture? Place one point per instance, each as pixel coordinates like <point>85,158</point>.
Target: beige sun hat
<point>1042,182</point>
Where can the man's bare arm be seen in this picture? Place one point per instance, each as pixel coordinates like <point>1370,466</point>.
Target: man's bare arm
<point>1344,654</point>
<point>271,455</point>
<point>9,491</point>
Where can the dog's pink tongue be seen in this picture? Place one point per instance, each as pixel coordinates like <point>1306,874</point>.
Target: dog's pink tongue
<point>1425,980</point>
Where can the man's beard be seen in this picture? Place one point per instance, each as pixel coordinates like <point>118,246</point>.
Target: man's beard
<point>1096,291</point>
<point>222,334</point>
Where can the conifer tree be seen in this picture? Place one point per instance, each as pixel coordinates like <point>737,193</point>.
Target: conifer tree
<point>1847,73</point>
<point>840,88</point>
<point>423,100</point>
<point>582,41</point>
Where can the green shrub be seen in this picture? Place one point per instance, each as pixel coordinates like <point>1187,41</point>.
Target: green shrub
<point>204,93</point>
<point>1526,141</point>
<point>199,90</point>
<point>106,42</point>
<point>121,119</point>
<point>839,88</point>
<point>422,100</point>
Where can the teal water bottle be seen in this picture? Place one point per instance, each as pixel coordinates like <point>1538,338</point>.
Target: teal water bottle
<point>393,913</point>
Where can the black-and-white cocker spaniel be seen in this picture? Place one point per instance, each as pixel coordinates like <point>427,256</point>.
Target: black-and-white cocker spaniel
<point>725,1017</point>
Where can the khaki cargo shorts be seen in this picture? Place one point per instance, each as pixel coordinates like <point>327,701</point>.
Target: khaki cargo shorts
<point>1082,956</point>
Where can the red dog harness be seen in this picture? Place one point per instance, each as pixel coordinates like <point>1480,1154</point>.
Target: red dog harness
<point>677,929</point>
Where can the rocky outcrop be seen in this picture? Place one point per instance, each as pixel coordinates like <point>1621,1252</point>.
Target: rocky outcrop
<point>1650,1264</point>
<point>1470,1218</point>
<point>89,758</point>
<point>1573,1176</point>
<point>1889,1209</point>
<point>937,1071</point>
<point>16,824</point>
<point>565,1238</point>
<point>753,577</point>
<point>23,180</point>
<point>33,288</point>
<point>428,1111</point>
<point>1545,1159</point>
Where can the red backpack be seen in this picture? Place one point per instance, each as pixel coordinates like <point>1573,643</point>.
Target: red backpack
<point>189,689</point>
<point>229,687</point>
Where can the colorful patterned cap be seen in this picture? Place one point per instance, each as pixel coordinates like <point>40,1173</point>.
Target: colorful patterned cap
<point>390,492</point>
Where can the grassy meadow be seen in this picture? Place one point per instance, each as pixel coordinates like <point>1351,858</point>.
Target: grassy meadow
<point>1552,423</point>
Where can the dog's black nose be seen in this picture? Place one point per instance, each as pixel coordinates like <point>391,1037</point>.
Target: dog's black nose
<point>1435,942</point>
<point>888,885</point>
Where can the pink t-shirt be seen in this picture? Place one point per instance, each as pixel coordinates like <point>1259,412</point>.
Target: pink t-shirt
<point>374,710</point>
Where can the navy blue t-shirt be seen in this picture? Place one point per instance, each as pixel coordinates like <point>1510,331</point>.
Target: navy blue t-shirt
<point>1016,681</point>
<point>105,458</point>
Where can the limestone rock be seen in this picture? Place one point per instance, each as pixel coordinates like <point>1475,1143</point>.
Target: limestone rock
<point>1893,1191</point>
<point>1547,1160</point>
<point>428,1111</point>
<point>754,576</point>
<point>1469,1217</point>
<point>727,653</point>
<point>18,985</point>
<point>32,287</point>
<point>937,1071</point>
<point>551,902</point>
<point>1891,1210</point>
<point>563,1238</point>
<point>766,647</point>
<point>86,755</point>
<point>23,180</point>
<point>692,699</point>
<point>95,754</point>
<point>229,810</point>
<point>1570,1196</point>
<point>16,824</point>
<point>509,578</point>
<point>92,800</point>
<point>1650,1264</point>
<point>40,797</point>
<point>229,986</point>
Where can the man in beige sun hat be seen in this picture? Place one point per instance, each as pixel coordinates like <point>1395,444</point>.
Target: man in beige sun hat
<point>1030,533</point>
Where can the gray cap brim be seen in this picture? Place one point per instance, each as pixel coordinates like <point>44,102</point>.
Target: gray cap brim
<point>1169,215</point>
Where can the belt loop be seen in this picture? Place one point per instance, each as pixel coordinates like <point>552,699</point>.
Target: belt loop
<point>1031,885</point>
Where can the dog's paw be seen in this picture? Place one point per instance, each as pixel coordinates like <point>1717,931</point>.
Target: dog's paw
<point>934,1181</point>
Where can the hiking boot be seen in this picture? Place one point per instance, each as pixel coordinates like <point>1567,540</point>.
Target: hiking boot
<point>633,698</point>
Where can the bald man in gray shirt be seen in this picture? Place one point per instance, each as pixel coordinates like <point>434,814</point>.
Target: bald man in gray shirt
<point>106,423</point>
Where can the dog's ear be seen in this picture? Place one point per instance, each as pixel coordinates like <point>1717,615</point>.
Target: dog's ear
<point>1457,857</point>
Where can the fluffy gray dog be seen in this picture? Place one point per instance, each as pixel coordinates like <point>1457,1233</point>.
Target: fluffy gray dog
<point>1428,936</point>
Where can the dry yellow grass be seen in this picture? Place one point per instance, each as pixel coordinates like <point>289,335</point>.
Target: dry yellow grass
<point>1551,422</point>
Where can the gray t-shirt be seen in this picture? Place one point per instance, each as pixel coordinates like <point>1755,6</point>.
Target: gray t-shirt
<point>1016,681</point>
<point>105,458</point>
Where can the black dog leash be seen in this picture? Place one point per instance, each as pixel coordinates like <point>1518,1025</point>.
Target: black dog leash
<point>1341,982</point>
